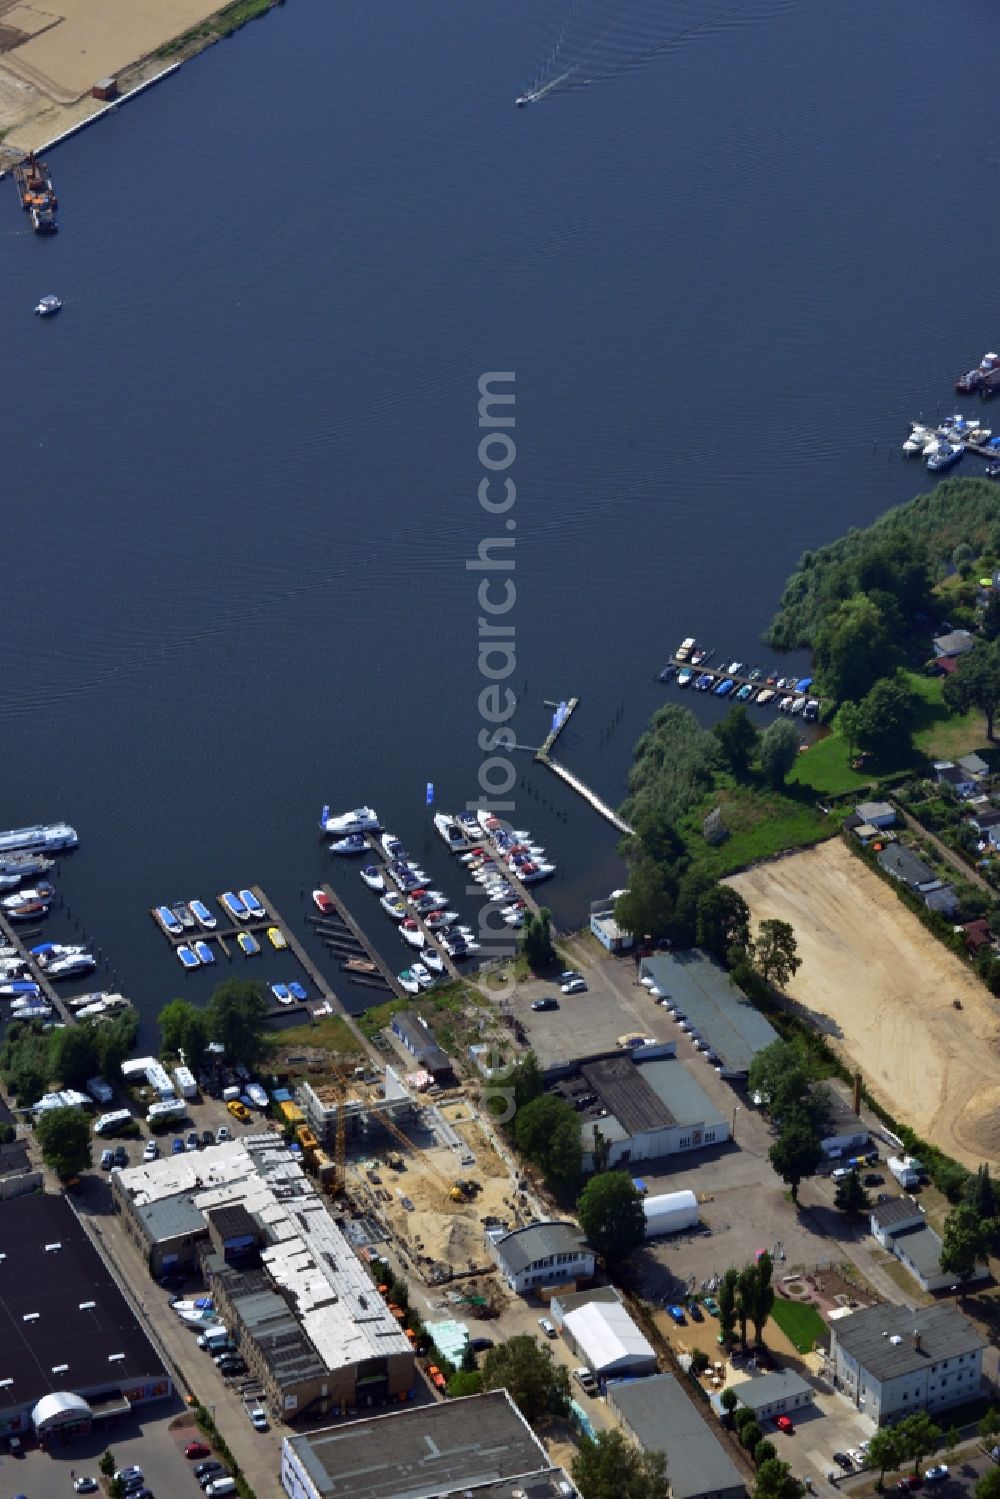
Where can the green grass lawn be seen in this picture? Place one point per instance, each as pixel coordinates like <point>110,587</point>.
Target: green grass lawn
<point>939,734</point>
<point>826,767</point>
<point>800,1322</point>
<point>761,822</point>
<point>327,1033</point>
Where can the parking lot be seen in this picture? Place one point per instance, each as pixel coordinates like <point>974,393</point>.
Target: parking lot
<point>153,1441</point>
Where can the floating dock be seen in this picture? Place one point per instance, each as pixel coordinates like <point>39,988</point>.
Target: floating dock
<point>544,756</point>
<point>362,943</point>
<point>741,679</point>
<point>57,1002</point>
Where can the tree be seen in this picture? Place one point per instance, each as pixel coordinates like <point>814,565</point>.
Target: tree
<point>116,1488</point>
<point>795,1154</point>
<point>609,1466</point>
<point>965,1241</point>
<point>775,952</point>
<point>746,1286</point>
<point>950,1442</point>
<point>115,1042</point>
<point>850,1196</point>
<point>646,908</point>
<point>988,1486</point>
<point>772,1066</point>
<point>107,1462</point>
<point>980,1196</point>
<point>855,646</point>
<point>729,1401</point>
<point>690,888</point>
<point>527,1080</point>
<point>886,718</point>
<point>547,1131</point>
<point>990,624</point>
<point>723,921</point>
<point>778,750</point>
<point>751,1435</point>
<point>989,1424</point>
<point>564,1163</point>
<point>764,1452</point>
<point>73,1054</point>
<point>775,1480</point>
<point>537,1384</point>
<point>465,1382</point>
<point>237,1016</point>
<point>700,1361</point>
<point>848,725</point>
<point>885,1452</point>
<point>183,1028</point>
<point>976,682</point>
<point>536,940</point>
<point>727,1304</point>
<point>762,1296</point>
<point>738,738</point>
<point>611,1214</point>
<point>64,1138</point>
<point>919,1436</point>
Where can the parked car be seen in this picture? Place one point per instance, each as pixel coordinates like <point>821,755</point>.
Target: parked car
<point>435,1376</point>
<point>937,1474</point>
<point>177,1146</point>
<point>569,975</point>
<point>239,1110</point>
<point>207,1137</point>
<point>574,986</point>
<point>121,1156</point>
<point>107,1159</point>
<point>124,1474</point>
<point>586,1381</point>
<point>784,1423</point>
<point>873,1179</point>
<point>206,1470</point>
<point>711,1305</point>
<point>858,1455</point>
<point>548,1003</point>
<point>150,1150</point>
<point>548,1328</point>
<point>197,1449</point>
<point>215,1477</point>
<point>695,1312</point>
<point>192,1140</point>
<point>85,1485</point>
<point>677,1313</point>
<point>843,1461</point>
<point>223,1134</point>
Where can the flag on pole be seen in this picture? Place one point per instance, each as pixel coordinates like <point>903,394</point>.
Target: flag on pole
<point>430,793</point>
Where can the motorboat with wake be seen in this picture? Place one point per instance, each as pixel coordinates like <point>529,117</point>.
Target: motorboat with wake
<point>48,306</point>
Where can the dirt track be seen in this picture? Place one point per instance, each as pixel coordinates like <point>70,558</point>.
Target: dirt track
<point>889,987</point>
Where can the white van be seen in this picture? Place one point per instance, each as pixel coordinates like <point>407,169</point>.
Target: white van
<point>108,1123</point>
<point>221,1486</point>
<point>214,1336</point>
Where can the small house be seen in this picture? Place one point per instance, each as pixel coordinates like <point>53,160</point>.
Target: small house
<point>904,865</point>
<point>955,643</point>
<point>983,819</point>
<point>947,773</point>
<point>977,934</point>
<point>944,901</point>
<point>975,766</point>
<point>770,1395</point>
<point>900,1226</point>
<point>878,814</point>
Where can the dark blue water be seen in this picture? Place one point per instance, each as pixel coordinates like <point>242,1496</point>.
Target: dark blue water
<point>239,471</point>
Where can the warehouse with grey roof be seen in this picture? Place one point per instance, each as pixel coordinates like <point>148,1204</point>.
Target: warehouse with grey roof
<point>661,1417</point>
<point>717,1011</point>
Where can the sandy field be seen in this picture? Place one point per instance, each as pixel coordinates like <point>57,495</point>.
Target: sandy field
<point>888,986</point>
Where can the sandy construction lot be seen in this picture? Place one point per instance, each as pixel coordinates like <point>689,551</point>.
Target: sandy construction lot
<point>70,44</point>
<point>889,987</point>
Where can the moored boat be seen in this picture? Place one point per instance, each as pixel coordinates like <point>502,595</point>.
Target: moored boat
<point>202,915</point>
<point>407,982</point>
<point>281,993</point>
<point>361,820</point>
<point>352,843</point>
<point>372,876</point>
<point>24,865</point>
<point>944,455</point>
<point>248,944</point>
<point>322,902</point>
<point>43,891</point>
<point>72,966</point>
<point>393,905</point>
<point>168,921</point>
<point>182,911</point>
<point>204,952</point>
<point>297,990</point>
<point>432,958</point>
<point>411,933</point>
<point>450,831</point>
<point>253,905</point>
<point>233,906</point>
<point>43,838</point>
<point>187,957</point>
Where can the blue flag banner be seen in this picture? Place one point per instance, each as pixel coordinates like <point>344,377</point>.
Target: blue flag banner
<point>430,793</point>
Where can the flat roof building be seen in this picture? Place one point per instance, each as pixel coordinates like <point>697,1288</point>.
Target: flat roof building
<point>891,1360</point>
<point>775,1394</point>
<point>71,1350</point>
<point>661,1417</point>
<point>718,1012</point>
<point>600,1331</point>
<point>480,1445</point>
<point>311,1273</point>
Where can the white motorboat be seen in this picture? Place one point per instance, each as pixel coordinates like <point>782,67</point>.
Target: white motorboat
<point>393,905</point>
<point>918,439</point>
<point>411,933</point>
<point>450,831</point>
<point>408,982</point>
<point>43,891</point>
<point>352,843</point>
<point>432,959</point>
<point>423,975</point>
<point>360,820</point>
<point>372,877</point>
<point>71,967</point>
<point>48,306</point>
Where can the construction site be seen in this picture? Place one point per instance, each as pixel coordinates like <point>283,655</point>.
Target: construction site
<point>421,1178</point>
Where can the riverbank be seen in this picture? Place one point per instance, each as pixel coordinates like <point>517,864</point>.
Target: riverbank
<point>46,74</point>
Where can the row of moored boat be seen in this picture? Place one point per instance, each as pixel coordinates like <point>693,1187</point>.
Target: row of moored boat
<point>746,684</point>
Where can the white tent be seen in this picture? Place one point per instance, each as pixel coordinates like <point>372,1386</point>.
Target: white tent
<point>608,1340</point>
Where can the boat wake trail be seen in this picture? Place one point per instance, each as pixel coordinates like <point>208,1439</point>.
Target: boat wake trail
<point>602,39</point>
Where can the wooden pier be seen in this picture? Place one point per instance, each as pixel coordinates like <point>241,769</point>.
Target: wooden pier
<point>449,964</point>
<point>544,757</point>
<point>306,962</point>
<point>57,1002</point>
<point>742,679</point>
<point>362,941</point>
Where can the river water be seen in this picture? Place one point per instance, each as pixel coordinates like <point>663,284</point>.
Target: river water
<point>240,469</point>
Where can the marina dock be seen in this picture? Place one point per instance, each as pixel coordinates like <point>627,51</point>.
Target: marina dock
<point>544,756</point>
<point>741,679</point>
<point>12,936</point>
<point>362,943</point>
<point>449,965</point>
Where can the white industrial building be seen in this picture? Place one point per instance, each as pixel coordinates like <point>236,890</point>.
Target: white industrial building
<point>670,1213</point>
<point>899,1225</point>
<point>599,1330</point>
<point>715,1009</point>
<point>890,1361</point>
<point>540,1255</point>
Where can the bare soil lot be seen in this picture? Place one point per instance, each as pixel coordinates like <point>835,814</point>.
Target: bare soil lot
<point>888,988</point>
